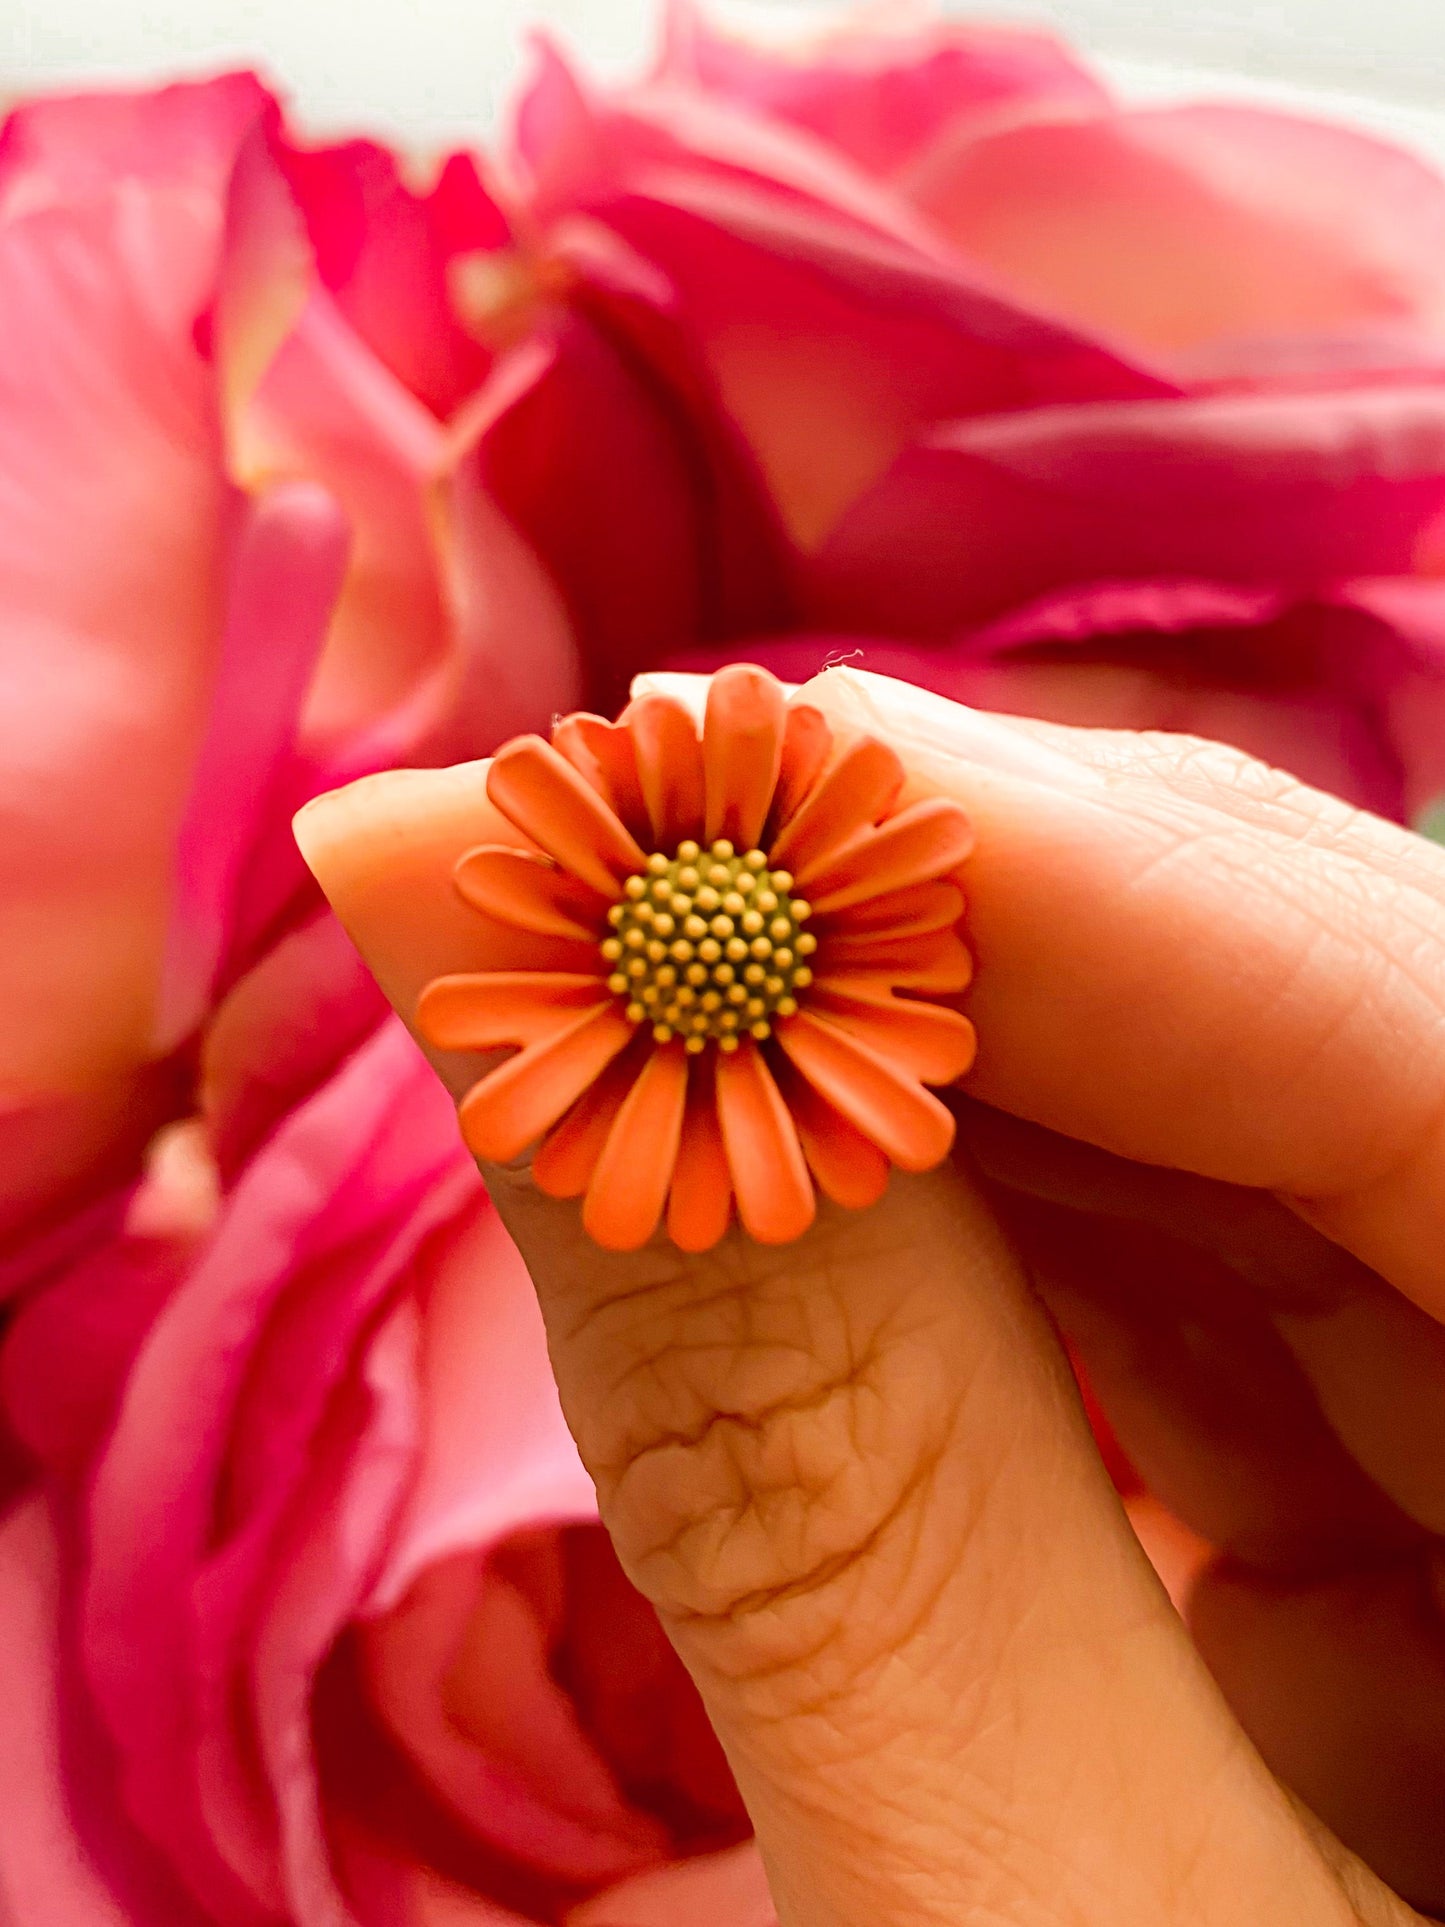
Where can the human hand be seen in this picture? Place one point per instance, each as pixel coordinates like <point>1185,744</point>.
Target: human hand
<point>852,1473</point>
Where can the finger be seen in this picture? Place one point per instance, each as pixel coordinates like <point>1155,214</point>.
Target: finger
<point>1204,1397</point>
<point>1192,960</point>
<point>853,1478</point>
<point>1271,1388</point>
<point>1341,1685</point>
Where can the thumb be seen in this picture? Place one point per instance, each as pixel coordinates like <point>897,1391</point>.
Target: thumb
<point>852,1476</point>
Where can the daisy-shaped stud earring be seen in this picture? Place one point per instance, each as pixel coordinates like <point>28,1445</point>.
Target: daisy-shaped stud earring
<point>740,957</point>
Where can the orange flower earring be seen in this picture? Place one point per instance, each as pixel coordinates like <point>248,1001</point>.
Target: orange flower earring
<point>739,955</point>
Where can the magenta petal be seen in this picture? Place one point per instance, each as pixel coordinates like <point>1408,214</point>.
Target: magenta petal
<point>61,1864</point>
<point>287,571</point>
<point>368,1167</point>
<point>1254,490</point>
<point>384,250</point>
<point>563,421</point>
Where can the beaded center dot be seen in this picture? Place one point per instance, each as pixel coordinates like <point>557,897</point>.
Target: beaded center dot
<point>709,946</point>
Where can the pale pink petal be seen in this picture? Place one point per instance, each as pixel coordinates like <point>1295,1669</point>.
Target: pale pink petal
<point>497,1455</point>
<point>66,148</point>
<point>307,399</point>
<point>880,88</point>
<point>1202,233</point>
<point>715,1890</point>
<point>113,520</point>
<point>350,1499</point>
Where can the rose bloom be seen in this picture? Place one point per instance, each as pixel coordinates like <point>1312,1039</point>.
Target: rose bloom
<point>910,346</point>
<point>233,567</point>
<point>915,348</point>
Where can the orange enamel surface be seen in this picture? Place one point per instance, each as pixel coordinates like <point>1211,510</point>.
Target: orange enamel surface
<point>769,1173</point>
<point>849,1168</point>
<point>503,876</point>
<point>907,1123</point>
<point>559,809</point>
<point>742,752</point>
<point>603,752</point>
<point>914,912</point>
<point>567,1156</point>
<point>629,1186</point>
<point>850,797</point>
<point>937,964</point>
<point>513,1105</point>
<point>530,893</point>
<point>921,843</point>
<point>482,1010</point>
<point>807,742</point>
<point>700,1202</point>
<point>932,1044</point>
<point>669,767</point>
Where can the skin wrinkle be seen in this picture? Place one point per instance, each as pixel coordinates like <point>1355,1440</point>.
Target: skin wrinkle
<point>1008,1589</point>
<point>1388,969</point>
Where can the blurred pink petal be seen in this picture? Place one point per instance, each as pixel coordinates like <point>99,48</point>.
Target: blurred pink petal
<point>285,1027</point>
<point>111,568</point>
<point>884,84</point>
<point>1201,233</point>
<point>716,1890</point>
<point>1306,489</point>
<point>288,567</point>
<point>805,288</point>
<point>384,251</point>
<point>449,1642</point>
<point>1307,685</point>
<point>183,139</point>
<point>564,419</point>
<point>48,1875</point>
<point>233,1368</point>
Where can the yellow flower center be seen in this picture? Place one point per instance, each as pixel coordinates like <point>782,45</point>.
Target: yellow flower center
<point>709,946</point>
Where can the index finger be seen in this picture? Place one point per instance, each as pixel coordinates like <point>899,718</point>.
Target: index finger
<point>1193,960</point>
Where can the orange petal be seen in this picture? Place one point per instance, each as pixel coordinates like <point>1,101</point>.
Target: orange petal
<point>807,741</point>
<point>513,1105</point>
<point>629,1186</point>
<point>701,1200</point>
<point>669,767</point>
<point>604,754</point>
<point>567,1156</point>
<point>921,843</point>
<point>936,964</point>
<point>934,1045</point>
<point>483,1009</point>
<point>769,1173</point>
<point>906,1122</point>
<point>742,752</point>
<point>914,912</point>
<point>852,795</point>
<point>527,892</point>
<point>558,808</point>
<point>849,1168</point>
